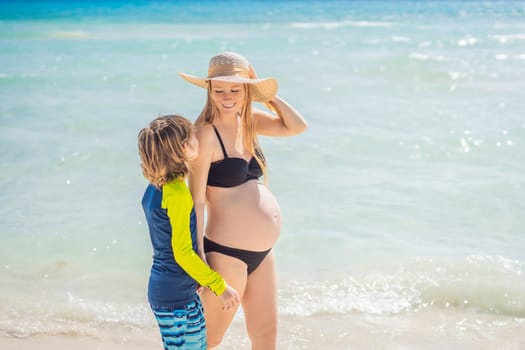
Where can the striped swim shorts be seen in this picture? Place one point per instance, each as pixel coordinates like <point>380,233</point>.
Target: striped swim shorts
<point>182,329</point>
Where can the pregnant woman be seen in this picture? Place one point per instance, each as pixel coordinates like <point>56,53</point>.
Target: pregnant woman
<point>243,216</point>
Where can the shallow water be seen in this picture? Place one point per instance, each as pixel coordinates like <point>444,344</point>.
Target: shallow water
<point>402,203</point>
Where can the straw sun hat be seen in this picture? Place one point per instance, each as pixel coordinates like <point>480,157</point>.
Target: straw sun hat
<point>234,68</point>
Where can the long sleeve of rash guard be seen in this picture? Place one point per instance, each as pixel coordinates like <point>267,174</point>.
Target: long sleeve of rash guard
<point>177,201</point>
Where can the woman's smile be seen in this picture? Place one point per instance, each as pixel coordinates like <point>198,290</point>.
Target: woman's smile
<point>229,97</point>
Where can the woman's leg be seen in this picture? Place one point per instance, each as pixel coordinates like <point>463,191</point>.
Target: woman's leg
<point>259,303</point>
<point>218,320</point>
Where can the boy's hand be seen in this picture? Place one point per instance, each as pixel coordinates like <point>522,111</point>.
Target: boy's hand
<point>229,298</point>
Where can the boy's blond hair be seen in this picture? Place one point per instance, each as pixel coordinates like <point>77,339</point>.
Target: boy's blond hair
<point>161,149</point>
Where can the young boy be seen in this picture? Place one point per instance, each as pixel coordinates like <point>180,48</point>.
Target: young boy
<point>166,147</point>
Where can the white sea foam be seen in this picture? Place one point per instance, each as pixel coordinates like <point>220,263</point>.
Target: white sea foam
<point>490,285</point>
<point>509,38</point>
<point>426,57</point>
<point>483,283</point>
<point>467,41</point>
<point>71,34</point>
<point>400,39</point>
<point>340,24</point>
<point>402,159</point>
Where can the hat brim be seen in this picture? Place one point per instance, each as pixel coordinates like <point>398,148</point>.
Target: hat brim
<point>262,90</point>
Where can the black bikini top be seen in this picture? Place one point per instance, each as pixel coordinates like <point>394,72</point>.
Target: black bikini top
<point>232,171</point>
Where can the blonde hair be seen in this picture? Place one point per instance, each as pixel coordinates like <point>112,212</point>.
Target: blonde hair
<point>250,140</point>
<point>161,149</point>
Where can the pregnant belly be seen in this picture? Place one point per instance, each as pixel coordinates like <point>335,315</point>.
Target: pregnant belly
<point>245,217</point>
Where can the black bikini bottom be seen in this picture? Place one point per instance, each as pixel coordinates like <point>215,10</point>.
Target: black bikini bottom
<point>250,258</point>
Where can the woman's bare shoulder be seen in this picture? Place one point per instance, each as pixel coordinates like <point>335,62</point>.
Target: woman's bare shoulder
<point>204,131</point>
<point>206,136</point>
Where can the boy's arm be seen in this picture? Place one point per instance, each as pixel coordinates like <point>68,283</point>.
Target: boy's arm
<point>179,212</point>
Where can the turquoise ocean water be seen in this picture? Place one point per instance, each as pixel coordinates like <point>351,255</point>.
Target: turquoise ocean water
<point>403,204</point>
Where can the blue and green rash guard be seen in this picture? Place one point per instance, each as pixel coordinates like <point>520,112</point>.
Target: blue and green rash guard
<point>177,269</point>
